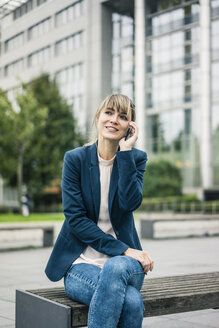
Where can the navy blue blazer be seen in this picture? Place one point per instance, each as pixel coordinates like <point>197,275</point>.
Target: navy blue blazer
<point>81,204</point>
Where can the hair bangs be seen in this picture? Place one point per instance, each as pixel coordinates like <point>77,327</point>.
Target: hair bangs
<point>120,103</point>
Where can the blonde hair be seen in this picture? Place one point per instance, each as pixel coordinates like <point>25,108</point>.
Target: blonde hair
<point>119,102</point>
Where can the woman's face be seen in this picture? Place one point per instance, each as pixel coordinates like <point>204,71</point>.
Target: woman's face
<point>112,125</point>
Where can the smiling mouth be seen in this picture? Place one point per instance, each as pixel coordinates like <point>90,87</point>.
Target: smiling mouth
<point>111,128</point>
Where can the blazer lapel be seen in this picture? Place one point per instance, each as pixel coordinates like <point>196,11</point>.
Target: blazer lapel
<point>95,179</point>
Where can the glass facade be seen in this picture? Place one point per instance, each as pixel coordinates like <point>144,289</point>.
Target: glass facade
<point>172,85</point>
<point>123,55</point>
<point>215,88</point>
<point>172,81</point>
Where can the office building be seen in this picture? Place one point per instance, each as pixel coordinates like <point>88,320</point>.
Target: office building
<point>164,54</point>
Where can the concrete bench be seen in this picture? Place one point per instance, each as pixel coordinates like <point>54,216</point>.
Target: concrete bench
<point>51,308</point>
<point>147,224</point>
<point>48,230</point>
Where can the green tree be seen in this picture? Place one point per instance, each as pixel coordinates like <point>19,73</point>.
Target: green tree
<point>59,134</point>
<point>33,140</point>
<point>162,179</point>
<point>17,132</point>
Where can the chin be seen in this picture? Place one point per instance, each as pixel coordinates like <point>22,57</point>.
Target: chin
<point>112,138</point>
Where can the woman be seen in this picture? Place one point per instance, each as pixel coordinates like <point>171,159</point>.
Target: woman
<point>98,251</point>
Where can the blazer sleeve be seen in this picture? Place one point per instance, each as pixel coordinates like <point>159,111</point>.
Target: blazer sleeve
<point>130,183</point>
<point>82,227</point>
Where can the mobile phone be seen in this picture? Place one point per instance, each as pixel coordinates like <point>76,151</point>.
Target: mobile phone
<point>128,133</point>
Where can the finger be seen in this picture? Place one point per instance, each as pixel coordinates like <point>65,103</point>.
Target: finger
<point>152,266</point>
<point>148,263</point>
<point>133,124</point>
<point>151,263</point>
<point>143,264</point>
<point>134,132</point>
<point>134,127</point>
<point>147,268</point>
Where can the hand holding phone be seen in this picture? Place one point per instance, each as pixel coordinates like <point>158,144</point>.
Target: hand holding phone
<point>129,139</point>
<point>128,133</point>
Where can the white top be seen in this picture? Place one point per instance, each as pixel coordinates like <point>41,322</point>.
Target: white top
<point>90,255</point>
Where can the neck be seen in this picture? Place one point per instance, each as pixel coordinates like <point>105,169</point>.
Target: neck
<point>107,148</point>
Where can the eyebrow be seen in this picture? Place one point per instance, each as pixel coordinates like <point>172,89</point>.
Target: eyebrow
<point>112,109</point>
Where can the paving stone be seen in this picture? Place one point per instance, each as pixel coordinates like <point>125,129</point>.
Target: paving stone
<point>168,323</point>
<point>192,314</point>
<point>207,320</point>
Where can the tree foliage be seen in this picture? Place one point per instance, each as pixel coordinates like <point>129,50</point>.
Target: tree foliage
<point>58,135</point>
<point>17,131</point>
<point>42,131</point>
<point>7,163</point>
<point>162,178</point>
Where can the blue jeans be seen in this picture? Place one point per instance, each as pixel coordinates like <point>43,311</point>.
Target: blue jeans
<point>112,293</point>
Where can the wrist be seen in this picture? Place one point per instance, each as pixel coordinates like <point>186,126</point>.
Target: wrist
<point>126,251</point>
<point>125,148</point>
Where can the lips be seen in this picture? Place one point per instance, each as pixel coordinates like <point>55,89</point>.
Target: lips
<point>111,128</point>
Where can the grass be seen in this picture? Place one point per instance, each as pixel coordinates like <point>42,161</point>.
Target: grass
<point>10,217</point>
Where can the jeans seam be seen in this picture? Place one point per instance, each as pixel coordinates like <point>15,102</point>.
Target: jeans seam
<point>91,308</point>
<point>133,274</point>
<point>83,279</point>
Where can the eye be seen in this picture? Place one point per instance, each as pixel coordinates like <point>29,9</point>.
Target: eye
<point>108,112</point>
<point>124,117</point>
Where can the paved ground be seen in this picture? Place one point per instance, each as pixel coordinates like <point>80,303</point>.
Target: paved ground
<point>24,269</point>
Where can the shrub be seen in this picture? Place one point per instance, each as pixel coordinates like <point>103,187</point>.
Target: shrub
<point>162,179</point>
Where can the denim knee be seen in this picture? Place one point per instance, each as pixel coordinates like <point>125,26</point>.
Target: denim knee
<point>124,268</point>
<point>116,264</point>
<point>133,301</point>
<point>120,264</point>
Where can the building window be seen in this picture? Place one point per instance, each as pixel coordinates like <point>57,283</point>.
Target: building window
<point>14,68</point>
<point>70,13</point>
<point>70,43</point>
<point>214,8</point>
<point>39,29</point>
<point>123,55</point>
<point>40,2</point>
<point>215,81</point>
<point>167,90</point>
<point>165,22</point>
<point>174,136</point>
<point>23,9</point>
<point>70,81</point>
<point>71,85</point>
<point>215,39</point>
<point>14,42</point>
<point>39,57</point>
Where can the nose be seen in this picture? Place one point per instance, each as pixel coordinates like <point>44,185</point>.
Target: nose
<point>114,118</point>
